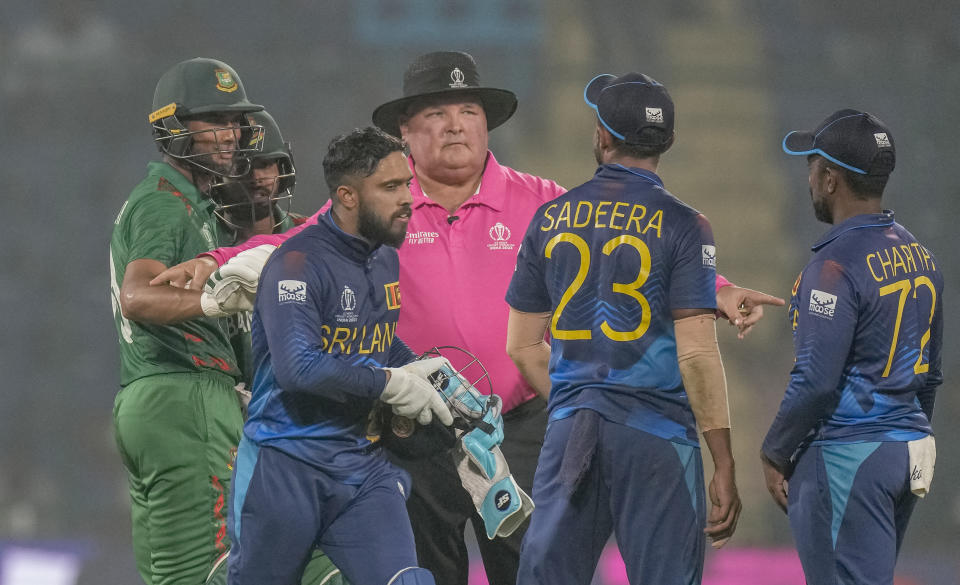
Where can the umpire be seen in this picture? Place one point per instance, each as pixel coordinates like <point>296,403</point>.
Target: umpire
<point>469,213</point>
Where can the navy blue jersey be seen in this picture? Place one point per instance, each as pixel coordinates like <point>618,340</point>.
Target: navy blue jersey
<point>867,330</point>
<point>611,259</point>
<point>323,327</point>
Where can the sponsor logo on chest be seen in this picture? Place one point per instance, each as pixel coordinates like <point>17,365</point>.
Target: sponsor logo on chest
<point>421,237</point>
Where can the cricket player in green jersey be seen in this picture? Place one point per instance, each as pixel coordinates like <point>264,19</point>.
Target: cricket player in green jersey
<point>177,418</point>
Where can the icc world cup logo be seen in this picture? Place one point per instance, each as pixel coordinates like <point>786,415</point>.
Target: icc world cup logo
<point>456,76</point>
<point>499,232</point>
<point>348,300</point>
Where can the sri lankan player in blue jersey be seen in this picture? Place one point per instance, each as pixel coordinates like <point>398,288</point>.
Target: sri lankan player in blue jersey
<point>623,274</point>
<point>853,431</point>
<point>306,473</point>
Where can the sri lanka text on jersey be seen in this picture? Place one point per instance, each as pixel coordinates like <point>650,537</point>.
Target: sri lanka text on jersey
<point>364,339</point>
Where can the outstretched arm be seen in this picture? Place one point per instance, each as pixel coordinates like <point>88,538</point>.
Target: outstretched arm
<point>158,305</point>
<point>743,307</point>
<point>193,273</point>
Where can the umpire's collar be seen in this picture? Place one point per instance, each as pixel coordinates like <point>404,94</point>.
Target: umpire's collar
<point>867,220</point>
<point>352,247</point>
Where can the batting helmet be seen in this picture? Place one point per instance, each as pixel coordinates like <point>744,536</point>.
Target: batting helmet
<point>196,89</point>
<point>241,202</point>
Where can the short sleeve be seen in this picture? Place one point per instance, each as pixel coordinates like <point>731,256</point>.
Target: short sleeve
<point>693,280</point>
<point>155,227</point>
<point>528,289</point>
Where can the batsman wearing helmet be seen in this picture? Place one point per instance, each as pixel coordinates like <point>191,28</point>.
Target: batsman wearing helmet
<point>259,202</point>
<point>177,419</point>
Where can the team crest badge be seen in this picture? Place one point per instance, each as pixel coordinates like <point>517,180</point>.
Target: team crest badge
<point>225,81</point>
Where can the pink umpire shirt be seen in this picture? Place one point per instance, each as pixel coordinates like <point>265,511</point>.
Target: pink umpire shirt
<point>455,270</point>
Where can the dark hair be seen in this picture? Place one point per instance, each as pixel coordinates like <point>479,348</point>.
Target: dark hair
<point>654,144</point>
<point>357,154</point>
<point>862,186</point>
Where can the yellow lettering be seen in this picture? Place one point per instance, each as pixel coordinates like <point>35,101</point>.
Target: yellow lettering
<point>927,259</point>
<point>615,214</point>
<point>600,211</point>
<point>870,266</point>
<point>389,330</point>
<point>634,218</point>
<point>655,222</point>
<point>546,214</point>
<point>898,261</point>
<point>376,341</point>
<point>352,339</point>
<point>564,214</point>
<point>324,337</point>
<point>577,222</point>
<point>338,339</point>
<point>908,256</point>
<point>362,337</point>
<point>885,264</point>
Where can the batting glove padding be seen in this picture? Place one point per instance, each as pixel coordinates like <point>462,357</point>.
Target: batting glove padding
<point>233,287</point>
<point>410,394</point>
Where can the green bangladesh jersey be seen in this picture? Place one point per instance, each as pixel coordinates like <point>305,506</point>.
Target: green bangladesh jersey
<point>167,219</point>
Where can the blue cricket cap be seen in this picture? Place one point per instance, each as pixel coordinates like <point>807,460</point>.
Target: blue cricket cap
<point>855,140</point>
<point>633,107</point>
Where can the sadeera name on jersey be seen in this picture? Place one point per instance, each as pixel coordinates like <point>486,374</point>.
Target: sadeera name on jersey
<point>618,215</point>
<point>360,340</point>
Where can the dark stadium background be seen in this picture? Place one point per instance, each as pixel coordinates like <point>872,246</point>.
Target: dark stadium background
<point>76,84</point>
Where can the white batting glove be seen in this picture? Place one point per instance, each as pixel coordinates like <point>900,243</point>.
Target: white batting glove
<point>233,288</point>
<point>410,394</point>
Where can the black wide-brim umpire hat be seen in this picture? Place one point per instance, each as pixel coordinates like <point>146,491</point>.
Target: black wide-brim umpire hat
<point>445,73</point>
<point>630,106</point>
<point>855,140</point>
